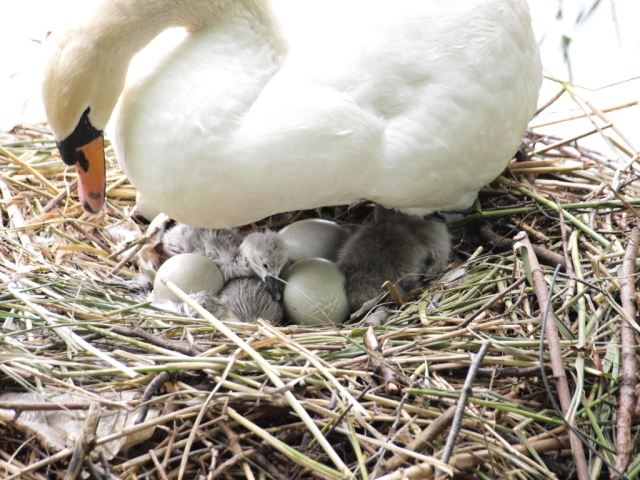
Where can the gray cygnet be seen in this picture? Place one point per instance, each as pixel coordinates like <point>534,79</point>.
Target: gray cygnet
<point>400,248</point>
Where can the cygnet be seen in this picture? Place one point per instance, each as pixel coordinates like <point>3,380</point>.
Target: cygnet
<point>403,249</point>
<point>259,254</point>
<point>243,299</point>
<point>249,299</point>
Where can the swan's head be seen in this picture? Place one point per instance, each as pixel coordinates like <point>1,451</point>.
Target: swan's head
<point>80,89</point>
<point>267,255</point>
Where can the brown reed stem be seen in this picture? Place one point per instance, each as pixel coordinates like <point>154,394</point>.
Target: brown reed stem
<point>627,380</point>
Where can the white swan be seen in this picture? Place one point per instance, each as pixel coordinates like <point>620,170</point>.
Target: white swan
<point>276,106</point>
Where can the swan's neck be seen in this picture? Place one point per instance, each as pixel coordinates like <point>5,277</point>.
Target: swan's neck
<point>129,25</point>
<point>89,63</point>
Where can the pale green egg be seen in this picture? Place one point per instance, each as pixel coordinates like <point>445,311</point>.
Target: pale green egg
<point>313,238</point>
<point>314,293</point>
<point>191,272</point>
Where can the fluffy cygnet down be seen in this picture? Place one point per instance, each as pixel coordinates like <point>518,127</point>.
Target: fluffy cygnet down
<point>243,299</point>
<point>396,247</point>
<point>260,254</point>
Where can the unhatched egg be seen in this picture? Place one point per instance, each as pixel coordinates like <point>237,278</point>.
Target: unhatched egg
<point>191,272</point>
<point>314,293</point>
<point>312,238</point>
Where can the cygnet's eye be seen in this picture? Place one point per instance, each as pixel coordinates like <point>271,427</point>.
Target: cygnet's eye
<point>265,266</point>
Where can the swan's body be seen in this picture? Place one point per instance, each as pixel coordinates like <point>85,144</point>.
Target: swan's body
<point>259,254</point>
<point>272,107</point>
<point>402,249</point>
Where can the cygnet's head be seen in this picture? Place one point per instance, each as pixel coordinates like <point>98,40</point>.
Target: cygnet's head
<point>267,255</point>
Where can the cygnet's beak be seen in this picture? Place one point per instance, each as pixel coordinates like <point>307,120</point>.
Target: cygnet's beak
<point>84,148</point>
<point>275,288</point>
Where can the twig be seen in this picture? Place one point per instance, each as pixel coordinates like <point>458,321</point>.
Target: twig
<point>266,465</point>
<point>571,285</point>
<point>59,197</point>
<point>627,381</point>
<point>557,364</point>
<point>491,302</point>
<point>499,244</point>
<point>392,381</point>
<point>573,430</point>
<point>152,388</point>
<point>236,449</point>
<point>465,393</point>
<point>419,443</point>
<point>242,455</point>
<point>88,235</point>
<point>85,443</point>
<point>549,102</point>
<point>192,350</point>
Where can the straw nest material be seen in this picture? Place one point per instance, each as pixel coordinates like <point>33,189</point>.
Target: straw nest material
<point>370,399</point>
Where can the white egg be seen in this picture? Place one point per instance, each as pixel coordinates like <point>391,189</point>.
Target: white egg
<point>313,238</point>
<point>191,272</point>
<point>314,293</point>
<point>144,208</point>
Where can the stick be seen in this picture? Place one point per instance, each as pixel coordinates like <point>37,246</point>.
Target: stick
<point>466,392</point>
<point>497,297</point>
<point>85,443</point>
<point>90,236</point>
<point>466,460</point>
<point>557,364</point>
<point>419,443</point>
<point>627,380</point>
<point>61,196</point>
<point>236,449</point>
<point>499,244</point>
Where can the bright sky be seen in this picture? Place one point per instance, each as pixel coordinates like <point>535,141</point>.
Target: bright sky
<point>602,52</point>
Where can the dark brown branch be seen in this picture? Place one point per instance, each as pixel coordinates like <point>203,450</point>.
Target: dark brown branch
<point>498,244</point>
<point>152,388</point>
<point>176,346</point>
<point>627,380</point>
<point>236,449</point>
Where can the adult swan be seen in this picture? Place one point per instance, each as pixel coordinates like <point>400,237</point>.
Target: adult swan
<point>275,106</point>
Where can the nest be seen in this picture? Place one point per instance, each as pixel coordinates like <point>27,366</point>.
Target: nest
<point>458,380</point>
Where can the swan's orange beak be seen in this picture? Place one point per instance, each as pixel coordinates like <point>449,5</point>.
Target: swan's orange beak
<point>84,148</point>
<point>91,175</point>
